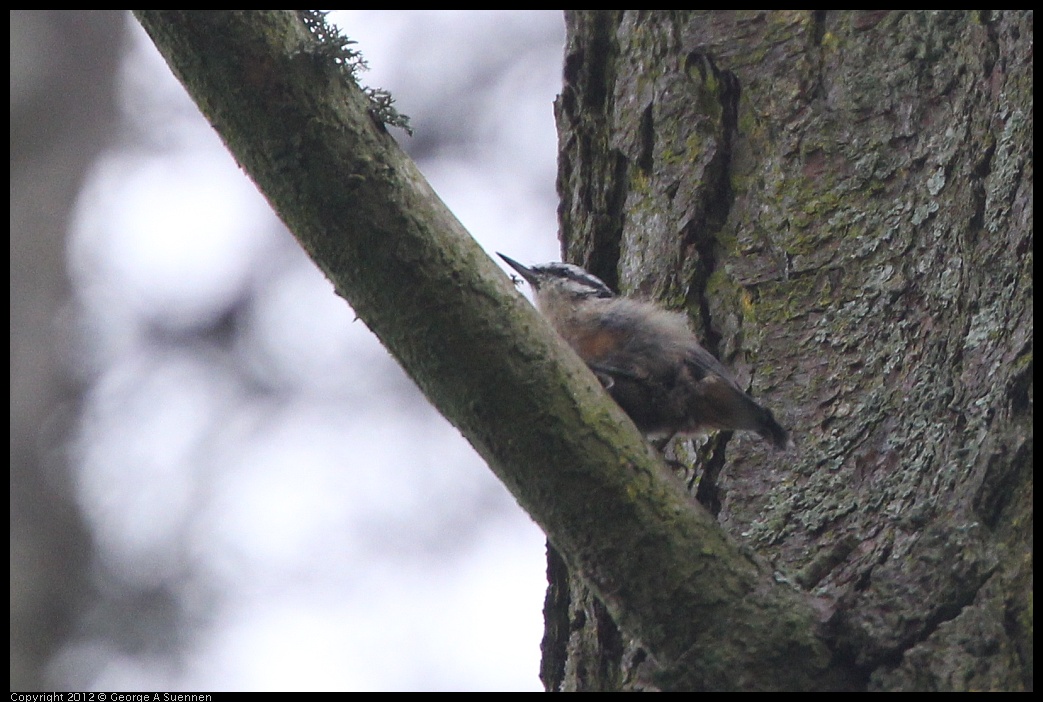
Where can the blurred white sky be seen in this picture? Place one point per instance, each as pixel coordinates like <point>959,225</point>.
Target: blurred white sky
<point>326,528</point>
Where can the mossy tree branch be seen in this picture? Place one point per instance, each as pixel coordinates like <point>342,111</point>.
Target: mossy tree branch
<point>358,205</point>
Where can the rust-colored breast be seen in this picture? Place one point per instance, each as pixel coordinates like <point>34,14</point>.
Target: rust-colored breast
<point>596,345</point>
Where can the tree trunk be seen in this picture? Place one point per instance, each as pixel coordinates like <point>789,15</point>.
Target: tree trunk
<point>63,113</point>
<point>842,201</point>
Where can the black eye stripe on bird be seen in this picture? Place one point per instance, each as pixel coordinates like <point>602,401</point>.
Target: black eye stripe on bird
<point>647,358</point>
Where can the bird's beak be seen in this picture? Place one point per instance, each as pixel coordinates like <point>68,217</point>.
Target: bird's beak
<point>526,273</point>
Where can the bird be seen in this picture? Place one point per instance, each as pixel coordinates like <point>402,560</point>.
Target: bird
<point>646,357</point>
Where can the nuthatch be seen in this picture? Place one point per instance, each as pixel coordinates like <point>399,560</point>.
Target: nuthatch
<point>646,357</point>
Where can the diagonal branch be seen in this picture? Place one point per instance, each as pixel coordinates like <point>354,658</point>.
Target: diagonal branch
<point>668,574</point>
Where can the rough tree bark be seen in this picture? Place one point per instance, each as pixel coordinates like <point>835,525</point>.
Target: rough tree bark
<point>843,203</point>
